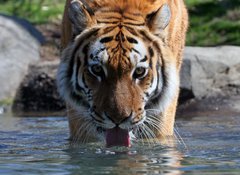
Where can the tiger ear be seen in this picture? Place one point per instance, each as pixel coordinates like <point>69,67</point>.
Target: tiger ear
<point>159,20</point>
<point>81,16</point>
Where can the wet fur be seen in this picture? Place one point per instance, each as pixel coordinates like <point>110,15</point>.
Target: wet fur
<point>167,43</point>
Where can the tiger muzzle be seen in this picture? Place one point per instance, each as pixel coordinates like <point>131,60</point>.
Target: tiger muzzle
<point>119,118</point>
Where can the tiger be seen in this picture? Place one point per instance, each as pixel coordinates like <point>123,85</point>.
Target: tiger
<point>119,68</point>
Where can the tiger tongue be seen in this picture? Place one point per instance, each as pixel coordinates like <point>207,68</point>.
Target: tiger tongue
<point>117,137</point>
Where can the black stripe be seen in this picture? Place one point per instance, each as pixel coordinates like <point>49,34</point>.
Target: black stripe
<point>120,25</point>
<point>150,63</point>
<point>122,37</point>
<point>155,99</point>
<point>135,50</point>
<point>144,59</point>
<point>112,18</point>
<point>106,39</point>
<point>87,7</point>
<point>91,56</point>
<point>127,60</point>
<point>84,81</point>
<point>92,32</point>
<point>131,30</point>
<point>164,77</point>
<point>132,40</point>
<point>76,76</point>
<point>96,119</point>
<point>147,94</point>
<point>79,89</point>
<point>158,78</point>
<point>79,42</point>
<point>109,117</point>
<point>134,24</point>
<point>145,35</point>
<point>108,22</point>
<point>70,68</point>
<point>98,52</point>
<point>109,29</point>
<point>151,52</point>
<point>85,60</point>
<point>156,46</point>
<point>124,51</point>
<point>114,50</point>
<point>128,18</point>
<point>98,115</point>
<point>85,49</point>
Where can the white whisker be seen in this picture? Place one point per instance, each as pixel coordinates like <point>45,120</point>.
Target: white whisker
<point>152,134</point>
<point>178,136</point>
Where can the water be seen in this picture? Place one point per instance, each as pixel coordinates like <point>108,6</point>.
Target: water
<point>34,145</point>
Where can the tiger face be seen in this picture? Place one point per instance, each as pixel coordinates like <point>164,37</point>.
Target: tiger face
<point>118,73</point>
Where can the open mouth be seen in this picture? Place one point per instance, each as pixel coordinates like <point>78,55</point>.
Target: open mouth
<point>116,137</point>
<point>119,137</point>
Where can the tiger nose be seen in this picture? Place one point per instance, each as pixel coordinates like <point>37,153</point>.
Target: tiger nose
<point>118,119</point>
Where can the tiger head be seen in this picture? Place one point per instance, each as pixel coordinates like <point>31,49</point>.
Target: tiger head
<point>118,72</point>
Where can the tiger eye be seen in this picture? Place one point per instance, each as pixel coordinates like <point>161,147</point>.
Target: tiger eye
<point>139,72</point>
<point>96,69</point>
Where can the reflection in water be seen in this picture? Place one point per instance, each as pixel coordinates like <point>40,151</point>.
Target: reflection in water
<point>166,162</point>
<point>140,159</point>
<point>40,146</point>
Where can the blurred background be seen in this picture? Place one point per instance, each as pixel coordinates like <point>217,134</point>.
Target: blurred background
<point>212,22</point>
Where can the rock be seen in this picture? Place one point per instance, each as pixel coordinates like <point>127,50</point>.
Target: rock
<point>38,92</point>
<point>212,71</point>
<point>19,47</point>
<point>210,107</point>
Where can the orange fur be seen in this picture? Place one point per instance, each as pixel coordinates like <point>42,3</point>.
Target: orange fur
<point>174,39</point>
<point>176,30</point>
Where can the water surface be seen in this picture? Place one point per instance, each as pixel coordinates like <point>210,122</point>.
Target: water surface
<point>39,145</point>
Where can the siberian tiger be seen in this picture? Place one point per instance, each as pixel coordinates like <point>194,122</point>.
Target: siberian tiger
<point>119,70</point>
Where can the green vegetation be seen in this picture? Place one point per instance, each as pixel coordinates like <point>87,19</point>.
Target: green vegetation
<point>37,11</point>
<point>7,102</point>
<point>212,22</point>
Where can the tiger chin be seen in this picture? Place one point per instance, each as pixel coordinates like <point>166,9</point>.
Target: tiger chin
<point>119,69</point>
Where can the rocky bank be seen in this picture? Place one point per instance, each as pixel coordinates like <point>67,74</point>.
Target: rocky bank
<point>211,71</point>
<point>37,93</point>
<point>19,47</point>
